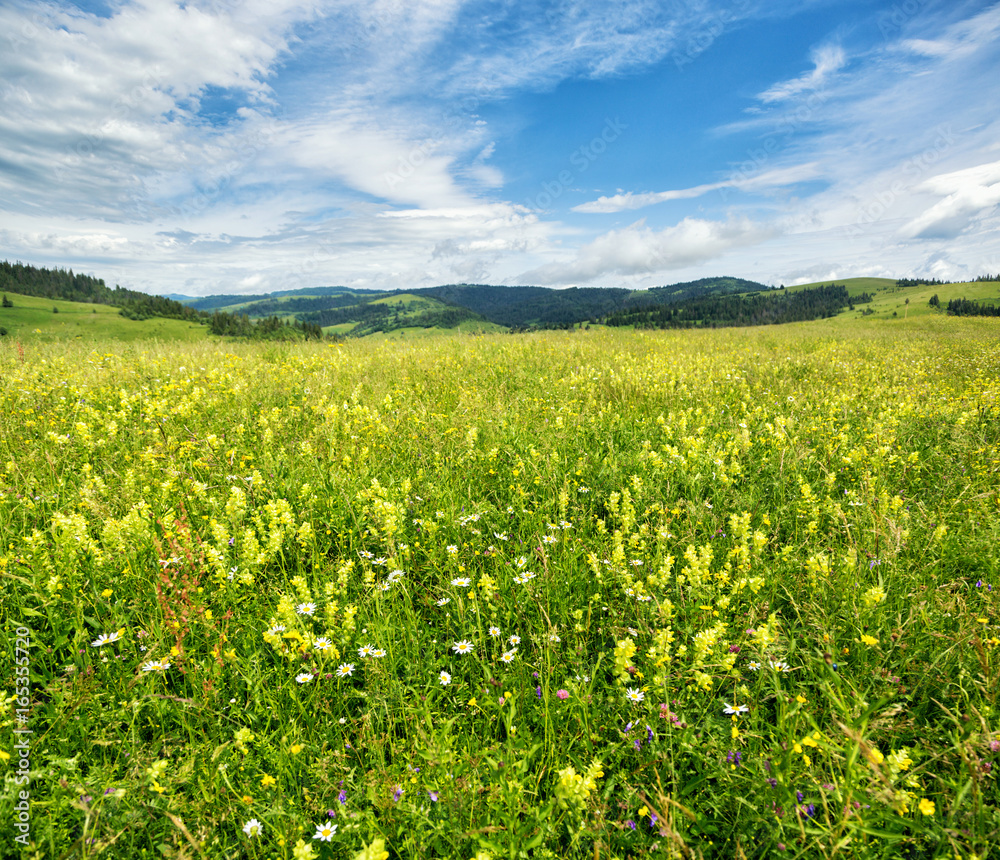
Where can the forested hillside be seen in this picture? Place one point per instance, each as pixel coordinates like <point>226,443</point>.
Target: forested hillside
<point>61,284</point>
<point>769,308</point>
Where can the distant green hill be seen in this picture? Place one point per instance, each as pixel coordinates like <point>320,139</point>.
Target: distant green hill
<point>720,309</point>
<point>61,284</point>
<point>58,303</point>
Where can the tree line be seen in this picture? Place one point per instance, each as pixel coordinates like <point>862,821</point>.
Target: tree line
<point>268,328</point>
<point>968,308</point>
<point>72,287</point>
<point>742,310</point>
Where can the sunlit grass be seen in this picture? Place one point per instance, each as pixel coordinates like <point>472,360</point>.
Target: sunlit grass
<point>570,594</point>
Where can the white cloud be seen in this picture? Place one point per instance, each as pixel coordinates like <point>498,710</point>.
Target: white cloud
<point>638,250</point>
<point>966,194</point>
<point>828,60</point>
<point>776,178</point>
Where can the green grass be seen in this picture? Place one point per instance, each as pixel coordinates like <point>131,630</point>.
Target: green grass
<point>751,577</point>
<point>32,320</point>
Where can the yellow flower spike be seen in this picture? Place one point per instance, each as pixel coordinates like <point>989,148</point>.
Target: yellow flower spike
<point>374,851</point>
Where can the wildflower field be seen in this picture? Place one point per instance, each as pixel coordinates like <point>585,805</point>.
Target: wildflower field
<point>594,594</point>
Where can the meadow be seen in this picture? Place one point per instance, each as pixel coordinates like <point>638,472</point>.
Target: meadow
<point>597,594</point>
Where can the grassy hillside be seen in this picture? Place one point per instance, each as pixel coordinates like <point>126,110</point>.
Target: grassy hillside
<point>33,319</point>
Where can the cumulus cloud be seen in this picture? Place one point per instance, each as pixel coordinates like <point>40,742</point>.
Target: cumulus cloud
<point>965,195</point>
<point>639,250</point>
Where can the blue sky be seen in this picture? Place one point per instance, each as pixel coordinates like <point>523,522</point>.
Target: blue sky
<point>224,146</point>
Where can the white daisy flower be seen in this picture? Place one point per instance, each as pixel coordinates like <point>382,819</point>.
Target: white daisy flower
<point>344,669</point>
<point>495,632</point>
<point>461,582</point>
<point>634,695</point>
<point>444,679</point>
<point>304,677</point>
<point>322,644</point>
<point>514,640</point>
<point>508,656</point>
<point>444,601</point>
<point>366,651</point>
<point>734,709</point>
<point>307,608</point>
<point>463,647</point>
<point>253,828</point>
<point>378,652</point>
<point>106,639</point>
<point>324,832</point>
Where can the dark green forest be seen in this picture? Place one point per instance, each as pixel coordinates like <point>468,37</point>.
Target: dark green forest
<point>62,284</point>
<point>969,308</point>
<point>771,308</point>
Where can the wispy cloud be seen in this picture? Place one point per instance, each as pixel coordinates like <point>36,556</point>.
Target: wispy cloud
<point>778,178</point>
<point>828,60</point>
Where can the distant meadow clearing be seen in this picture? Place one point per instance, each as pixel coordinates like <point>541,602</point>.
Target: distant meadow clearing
<point>598,594</point>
